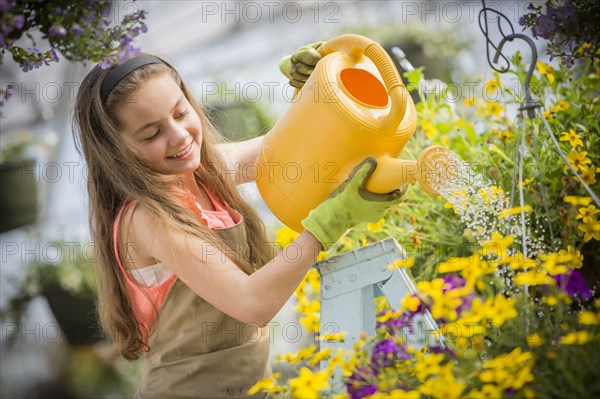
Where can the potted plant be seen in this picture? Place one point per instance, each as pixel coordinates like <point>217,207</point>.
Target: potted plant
<point>69,286</point>
<point>18,197</point>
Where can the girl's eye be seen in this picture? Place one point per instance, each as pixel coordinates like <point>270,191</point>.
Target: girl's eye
<point>182,115</point>
<point>153,136</point>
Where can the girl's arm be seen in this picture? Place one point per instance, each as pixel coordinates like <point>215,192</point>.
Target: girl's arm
<point>241,157</point>
<point>211,274</point>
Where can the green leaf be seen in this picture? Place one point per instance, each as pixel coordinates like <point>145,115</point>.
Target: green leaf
<point>414,77</point>
<point>470,132</point>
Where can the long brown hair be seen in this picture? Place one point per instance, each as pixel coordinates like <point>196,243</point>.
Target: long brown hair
<point>116,175</point>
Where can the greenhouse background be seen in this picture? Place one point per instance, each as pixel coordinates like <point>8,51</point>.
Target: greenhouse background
<point>228,53</point>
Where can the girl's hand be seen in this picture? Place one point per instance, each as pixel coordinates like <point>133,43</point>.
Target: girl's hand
<point>349,205</point>
<point>297,67</point>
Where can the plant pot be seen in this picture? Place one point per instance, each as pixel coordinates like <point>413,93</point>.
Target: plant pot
<point>18,195</point>
<point>75,314</point>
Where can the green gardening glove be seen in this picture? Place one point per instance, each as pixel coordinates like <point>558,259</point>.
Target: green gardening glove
<point>297,67</point>
<point>349,205</point>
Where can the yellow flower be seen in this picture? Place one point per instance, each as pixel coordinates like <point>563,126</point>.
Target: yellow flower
<point>556,263</point>
<point>346,243</point>
<point>576,338</point>
<point>587,214</point>
<point>544,69</point>
<point>533,278</point>
<point>517,261</point>
<point>311,322</point>
<point>550,300</point>
<point>534,339</point>
<point>429,129</point>
<point>333,337</point>
<point>590,230</point>
<point>505,136</point>
<point>284,236</point>
<point>494,108</point>
<point>410,303</point>
<point>589,176</point>
<point>469,101</point>
<point>363,241</point>
<point>308,384</point>
<point>444,386</point>
<point>444,306</point>
<point>485,196</point>
<point>527,182</point>
<point>575,200</point>
<point>581,49</point>
<point>579,160</point>
<point>577,258</point>
<point>514,211</point>
<point>497,245</point>
<point>456,264</point>
<point>426,365</point>
<point>487,391</point>
<point>572,138</point>
<point>375,227</point>
<point>399,263</point>
<point>502,309</point>
<point>509,370</point>
<point>296,357</point>
<point>588,318</point>
<point>563,105</point>
<point>322,354</point>
<point>268,385</point>
<point>384,316</point>
<point>398,393</point>
<point>491,86</point>
<point>337,360</point>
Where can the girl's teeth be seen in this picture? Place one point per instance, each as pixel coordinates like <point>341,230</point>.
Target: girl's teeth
<point>180,154</point>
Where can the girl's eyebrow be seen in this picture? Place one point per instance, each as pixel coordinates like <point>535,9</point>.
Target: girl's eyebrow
<point>155,122</point>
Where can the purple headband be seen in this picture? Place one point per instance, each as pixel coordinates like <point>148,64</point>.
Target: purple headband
<point>120,71</point>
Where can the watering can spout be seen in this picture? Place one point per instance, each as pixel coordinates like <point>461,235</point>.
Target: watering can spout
<point>430,170</point>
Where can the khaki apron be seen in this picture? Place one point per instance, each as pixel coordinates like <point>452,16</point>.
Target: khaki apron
<point>197,351</point>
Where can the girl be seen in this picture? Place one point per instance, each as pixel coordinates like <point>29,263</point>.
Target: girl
<point>185,275</point>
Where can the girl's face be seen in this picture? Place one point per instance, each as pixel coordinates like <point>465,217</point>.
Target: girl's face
<point>160,125</point>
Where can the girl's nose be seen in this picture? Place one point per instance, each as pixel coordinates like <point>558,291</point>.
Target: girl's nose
<point>178,135</point>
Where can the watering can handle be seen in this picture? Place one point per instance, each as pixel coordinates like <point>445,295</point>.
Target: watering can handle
<point>355,46</point>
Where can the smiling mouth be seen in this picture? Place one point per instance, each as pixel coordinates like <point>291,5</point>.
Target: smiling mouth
<point>182,153</point>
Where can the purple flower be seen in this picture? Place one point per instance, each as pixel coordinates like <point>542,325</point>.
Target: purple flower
<point>57,30</point>
<point>567,61</point>
<point>19,21</point>
<point>386,353</point>
<point>452,281</point>
<point>8,92</point>
<point>107,62</point>
<point>357,385</point>
<point>52,54</point>
<point>7,5</point>
<point>77,30</point>
<point>127,52</point>
<point>574,284</point>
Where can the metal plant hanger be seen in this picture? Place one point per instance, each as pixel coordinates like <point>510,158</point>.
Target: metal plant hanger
<point>529,107</point>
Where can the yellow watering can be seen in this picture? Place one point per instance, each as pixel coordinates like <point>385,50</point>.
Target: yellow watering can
<point>354,105</point>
